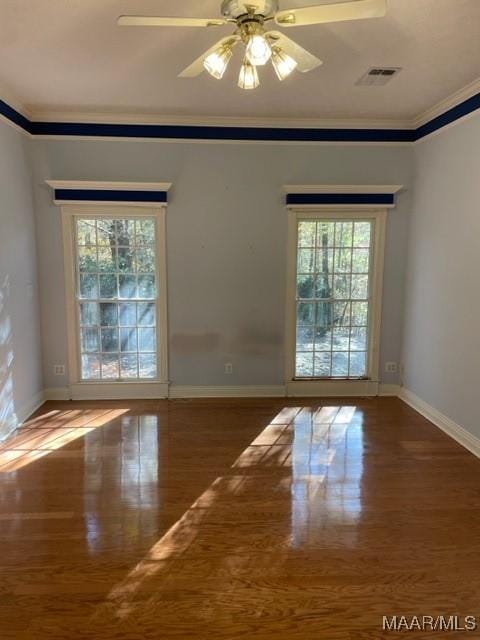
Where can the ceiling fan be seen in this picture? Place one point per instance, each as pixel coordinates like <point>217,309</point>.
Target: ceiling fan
<point>260,44</point>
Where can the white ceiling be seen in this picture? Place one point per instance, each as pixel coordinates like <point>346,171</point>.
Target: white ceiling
<point>69,55</point>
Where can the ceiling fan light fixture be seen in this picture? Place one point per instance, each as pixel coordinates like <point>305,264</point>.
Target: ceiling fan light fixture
<point>217,62</point>
<point>258,50</point>
<point>248,78</point>
<point>283,64</point>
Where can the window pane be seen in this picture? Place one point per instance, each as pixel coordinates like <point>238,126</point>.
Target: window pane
<point>305,313</point>
<point>343,260</point>
<point>359,314</point>
<point>323,287</point>
<point>87,259</point>
<point>341,339</point>
<point>145,260</point>
<point>110,369</point>
<point>306,234</point>
<point>340,364</point>
<point>126,259</point>
<point>323,365</point>
<point>146,314</point>
<point>305,286</point>
<point>110,252</point>
<point>109,340</point>
<point>325,234</point>
<point>128,315</point>
<point>125,232</point>
<point>145,232</point>
<point>88,286</point>
<point>108,314</point>
<point>358,339</point>
<point>306,261</point>
<point>358,367</point>
<point>108,285</point>
<point>90,366</point>
<point>304,366</point>
<point>107,259</point>
<point>361,236</point>
<point>305,338</point>
<point>323,339</point>
<point>146,287</point>
<point>89,340</point>
<point>344,234</point>
<point>86,232</point>
<point>341,289</point>
<point>88,313</point>
<point>359,287</point>
<point>147,365</point>
<point>129,366</point>
<point>360,260</point>
<point>128,340</point>
<point>146,340</point>
<point>127,286</point>
<point>325,261</point>
<point>332,298</point>
<point>106,232</point>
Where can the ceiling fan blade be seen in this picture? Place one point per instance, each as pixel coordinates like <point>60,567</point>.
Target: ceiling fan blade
<point>306,61</point>
<point>153,21</point>
<point>196,68</point>
<point>324,13</point>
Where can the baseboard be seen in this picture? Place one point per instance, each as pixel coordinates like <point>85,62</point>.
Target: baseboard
<point>448,426</point>
<point>241,391</point>
<point>57,393</point>
<point>389,390</point>
<point>119,391</point>
<point>22,414</point>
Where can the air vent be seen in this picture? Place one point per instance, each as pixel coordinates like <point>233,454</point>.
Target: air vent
<point>378,76</point>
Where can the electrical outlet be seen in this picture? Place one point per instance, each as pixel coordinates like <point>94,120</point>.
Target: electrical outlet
<point>228,368</point>
<point>391,367</point>
<point>58,369</point>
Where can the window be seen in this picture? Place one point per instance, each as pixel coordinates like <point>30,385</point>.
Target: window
<point>116,294</point>
<point>116,297</point>
<point>335,306</point>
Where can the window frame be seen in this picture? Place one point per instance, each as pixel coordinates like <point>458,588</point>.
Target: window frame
<point>156,387</point>
<point>340,386</point>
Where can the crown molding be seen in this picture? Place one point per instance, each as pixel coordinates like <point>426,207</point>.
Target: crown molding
<point>61,125</point>
<point>447,103</point>
<point>103,117</point>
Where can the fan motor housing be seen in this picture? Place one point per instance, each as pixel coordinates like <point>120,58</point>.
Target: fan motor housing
<point>236,8</point>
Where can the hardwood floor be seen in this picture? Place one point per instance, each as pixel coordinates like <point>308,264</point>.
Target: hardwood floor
<point>224,519</point>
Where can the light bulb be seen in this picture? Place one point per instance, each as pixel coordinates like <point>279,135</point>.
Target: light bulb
<point>282,63</point>
<point>258,50</point>
<point>217,62</point>
<point>248,78</point>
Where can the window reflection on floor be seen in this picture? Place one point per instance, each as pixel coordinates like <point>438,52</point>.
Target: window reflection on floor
<point>326,471</point>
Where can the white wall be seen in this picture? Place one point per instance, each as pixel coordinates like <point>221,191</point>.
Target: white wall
<point>226,238</point>
<point>20,357</point>
<point>442,312</point>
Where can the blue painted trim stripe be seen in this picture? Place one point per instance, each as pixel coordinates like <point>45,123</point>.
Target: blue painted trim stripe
<point>463,109</point>
<point>102,195</point>
<point>254,134</point>
<point>182,132</point>
<point>340,198</point>
<point>14,116</point>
